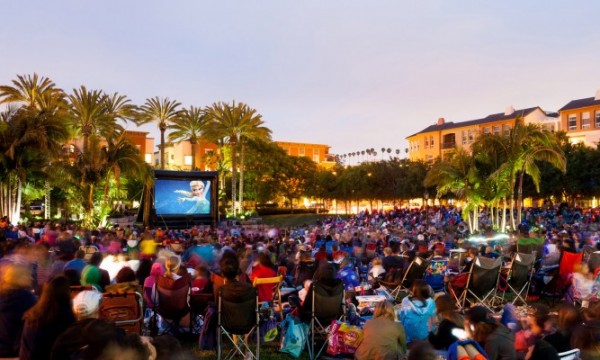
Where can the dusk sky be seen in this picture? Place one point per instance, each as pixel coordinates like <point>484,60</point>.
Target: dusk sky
<point>350,74</point>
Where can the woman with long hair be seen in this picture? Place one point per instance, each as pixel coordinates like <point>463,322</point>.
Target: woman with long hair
<point>495,338</point>
<point>442,338</point>
<point>384,338</point>
<point>46,320</point>
<point>16,298</point>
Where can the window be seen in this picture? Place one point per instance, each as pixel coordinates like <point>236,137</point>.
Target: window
<point>471,136</point>
<point>496,130</point>
<point>431,142</point>
<point>585,120</point>
<point>426,142</point>
<point>464,137</point>
<point>148,158</point>
<point>572,122</point>
<point>598,119</point>
<point>506,130</point>
<point>316,152</point>
<point>316,158</point>
<point>301,151</point>
<point>172,156</point>
<point>187,160</point>
<point>486,130</point>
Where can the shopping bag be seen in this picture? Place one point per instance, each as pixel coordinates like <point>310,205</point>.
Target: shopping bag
<point>294,336</point>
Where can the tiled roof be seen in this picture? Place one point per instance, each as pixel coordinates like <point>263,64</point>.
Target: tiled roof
<point>576,104</point>
<point>487,119</point>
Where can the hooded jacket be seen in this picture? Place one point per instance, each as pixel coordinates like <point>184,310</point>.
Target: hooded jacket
<point>415,315</point>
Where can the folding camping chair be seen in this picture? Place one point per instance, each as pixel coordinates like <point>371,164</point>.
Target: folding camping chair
<point>125,310</point>
<point>560,285</point>
<point>276,282</point>
<point>482,283</point>
<point>323,304</point>
<point>238,315</point>
<point>416,270</point>
<point>519,276</point>
<point>171,301</point>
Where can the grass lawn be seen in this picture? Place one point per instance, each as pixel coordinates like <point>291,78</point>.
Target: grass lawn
<point>267,351</point>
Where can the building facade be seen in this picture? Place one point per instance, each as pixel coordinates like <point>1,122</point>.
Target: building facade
<point>442,139</point>
<point>580,119</point>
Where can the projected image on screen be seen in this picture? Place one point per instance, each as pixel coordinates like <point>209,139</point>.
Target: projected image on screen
<point>182,197</point>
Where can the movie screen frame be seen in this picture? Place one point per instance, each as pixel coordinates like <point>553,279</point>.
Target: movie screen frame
<point>173,198</point>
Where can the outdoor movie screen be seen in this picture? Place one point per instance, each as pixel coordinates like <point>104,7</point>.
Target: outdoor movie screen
<point>182,196</point>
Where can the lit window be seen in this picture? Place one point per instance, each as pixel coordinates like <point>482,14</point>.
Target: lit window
<point>585,120</point>
<point>316,158</point>
<point>572,122</point>
<point>148,158</point>
<point>187,160</point>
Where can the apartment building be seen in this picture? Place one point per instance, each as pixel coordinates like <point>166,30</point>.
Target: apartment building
<point>179,156</point>
<point>580,119</point>
<point>443,138</point>
<point>138,138</point>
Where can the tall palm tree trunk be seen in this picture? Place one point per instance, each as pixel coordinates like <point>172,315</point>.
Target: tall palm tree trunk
<point>242,161</point>
<point>233,179</point>
<point>47,205</point>
<point>520,197</point>
<point>162,148</point>
<point>503,229</point>
<point>194,143</point>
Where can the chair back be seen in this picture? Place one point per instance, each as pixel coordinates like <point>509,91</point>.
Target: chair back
<point>79,288</point>
<point>435,272</point>
<point>238,311</point>
<point>484,275</point>
<point>265,281</point>
<point>123,309</point>
<point>569,355</point>
<point>172,296</point>
<point>415,271</point>
<point>520,269</point>
<point>567,262</point>
<point>327,301</point>
<point>199,302</point>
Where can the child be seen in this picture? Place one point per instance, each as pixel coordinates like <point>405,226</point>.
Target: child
<point>198,196</point>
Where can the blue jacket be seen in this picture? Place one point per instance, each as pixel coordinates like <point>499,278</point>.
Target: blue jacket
<point>414,315</point>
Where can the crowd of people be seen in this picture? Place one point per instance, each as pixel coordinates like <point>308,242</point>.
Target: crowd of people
<point>40,263</point>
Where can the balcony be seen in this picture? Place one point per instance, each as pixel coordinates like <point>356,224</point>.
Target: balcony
<point>449,145</point>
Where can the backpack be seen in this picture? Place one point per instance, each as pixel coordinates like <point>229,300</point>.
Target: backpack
<point>208,335</point>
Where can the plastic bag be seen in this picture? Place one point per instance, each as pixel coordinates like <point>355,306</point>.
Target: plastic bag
<point>343,338</point>
<point>268,330</point>
<point>294,336</point>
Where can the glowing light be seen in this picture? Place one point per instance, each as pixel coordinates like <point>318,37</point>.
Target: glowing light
<point>497,237</point>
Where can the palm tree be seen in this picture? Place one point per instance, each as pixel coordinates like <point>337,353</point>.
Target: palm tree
<point>163,111</point>
<point>33,130</point>
<point>235,123</point>
<point>525,145</point>
<point>89,114</point>
<point>189,126</point>
<point>461,177</point>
